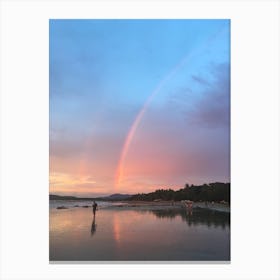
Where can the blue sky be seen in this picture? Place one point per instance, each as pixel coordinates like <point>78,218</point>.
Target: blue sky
<point>101,74</point>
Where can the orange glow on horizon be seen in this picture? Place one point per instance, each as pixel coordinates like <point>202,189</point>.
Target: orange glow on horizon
<point>63,182</point>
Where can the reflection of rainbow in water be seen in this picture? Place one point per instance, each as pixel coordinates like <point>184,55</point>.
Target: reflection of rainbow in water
<point>116,228</point>
<point>120,168</point>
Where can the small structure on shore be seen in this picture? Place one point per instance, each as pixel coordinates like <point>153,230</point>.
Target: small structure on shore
<point>188,204</point>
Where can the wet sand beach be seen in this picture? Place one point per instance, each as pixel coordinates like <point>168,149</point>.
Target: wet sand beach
<point>139,231</point>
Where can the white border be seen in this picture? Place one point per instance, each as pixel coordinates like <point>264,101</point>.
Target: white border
<point>254,130</point>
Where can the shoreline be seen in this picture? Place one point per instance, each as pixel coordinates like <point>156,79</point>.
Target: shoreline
<point>154,205</point>
<point>161,205</point>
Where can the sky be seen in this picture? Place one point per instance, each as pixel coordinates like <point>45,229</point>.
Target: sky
<point>138,105</point>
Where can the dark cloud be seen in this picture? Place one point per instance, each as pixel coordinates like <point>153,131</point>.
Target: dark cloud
<point>200,80</point>
<point>213,108</point>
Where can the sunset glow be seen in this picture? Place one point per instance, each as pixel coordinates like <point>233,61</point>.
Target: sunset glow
<point>138,104</point>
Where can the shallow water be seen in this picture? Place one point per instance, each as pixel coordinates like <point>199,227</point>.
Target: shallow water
<point>80,203</point>
<point>139,235</point>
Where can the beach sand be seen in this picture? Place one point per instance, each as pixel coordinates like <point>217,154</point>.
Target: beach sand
<point>138,231</point>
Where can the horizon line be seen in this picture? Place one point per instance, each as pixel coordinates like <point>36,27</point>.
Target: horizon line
<point>167,188</point>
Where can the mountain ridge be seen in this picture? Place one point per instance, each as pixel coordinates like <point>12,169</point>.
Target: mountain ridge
<point>115,196</point>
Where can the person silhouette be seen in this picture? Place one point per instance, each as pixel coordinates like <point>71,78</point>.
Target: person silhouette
<point>94,207</point>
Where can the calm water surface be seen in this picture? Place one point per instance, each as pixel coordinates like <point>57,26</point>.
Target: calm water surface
<point>138,235</point>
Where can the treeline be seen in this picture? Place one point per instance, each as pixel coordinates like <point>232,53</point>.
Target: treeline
<point>206,192</point>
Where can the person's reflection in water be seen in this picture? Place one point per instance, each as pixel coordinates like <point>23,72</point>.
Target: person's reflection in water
<point>93,226</point>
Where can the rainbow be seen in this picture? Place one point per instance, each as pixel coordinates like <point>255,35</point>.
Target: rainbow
<point>130,135</point>
<point>139,117</point>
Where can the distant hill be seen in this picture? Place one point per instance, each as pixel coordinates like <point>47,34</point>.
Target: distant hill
<point>60,197</point>
<point>112,197</point>
<point>117,196</point>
